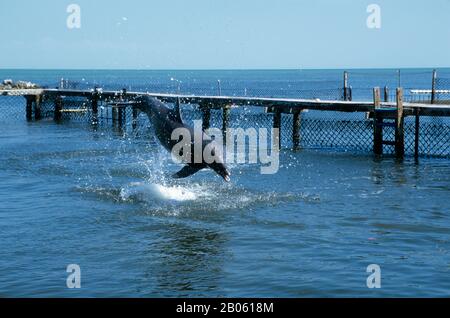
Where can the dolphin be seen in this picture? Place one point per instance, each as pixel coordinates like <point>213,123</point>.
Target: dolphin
<point>165,121</point>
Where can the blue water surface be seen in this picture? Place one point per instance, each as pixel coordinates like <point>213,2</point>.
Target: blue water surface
<point>103,199</point>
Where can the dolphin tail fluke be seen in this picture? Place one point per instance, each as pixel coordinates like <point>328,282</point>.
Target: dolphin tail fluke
<point>188,171</point>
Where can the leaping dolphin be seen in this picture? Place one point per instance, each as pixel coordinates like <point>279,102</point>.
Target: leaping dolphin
<point>165,121</point>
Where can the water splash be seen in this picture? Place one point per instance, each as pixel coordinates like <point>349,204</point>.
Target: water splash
<point>151,192</point>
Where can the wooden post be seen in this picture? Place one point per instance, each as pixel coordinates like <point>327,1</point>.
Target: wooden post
<point>386,94</point>
<point>95,107</point>
<point>114,114</point>
<point>122,109</point>
<point>58,108</point>
<point>135,117</point>
<point>350,93</point>
<point>277,125</point>
<point>37,107</point>
<point>346,86</point>
<point>29,107</point>
<point>377,123</point>
<point>206,116</point>
<point>417,134</point>
<point>433,87</point>
<point>219,88</point>
<point>376,97</point>
<point>296,130</point>
<point>225,121</point>
<point>399,127</point>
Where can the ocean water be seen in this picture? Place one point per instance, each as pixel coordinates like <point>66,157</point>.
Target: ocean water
<point>103,199</point>
<point>324,84</point>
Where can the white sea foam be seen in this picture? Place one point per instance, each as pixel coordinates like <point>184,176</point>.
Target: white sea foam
<point>151,192</point>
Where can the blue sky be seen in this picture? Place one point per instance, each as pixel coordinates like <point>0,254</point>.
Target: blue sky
<point>224,34</point>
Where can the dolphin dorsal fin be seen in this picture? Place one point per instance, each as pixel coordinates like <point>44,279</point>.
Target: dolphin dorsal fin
<point>175,114</point>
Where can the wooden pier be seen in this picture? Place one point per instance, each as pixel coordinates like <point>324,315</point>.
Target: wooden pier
<point>383,113</point>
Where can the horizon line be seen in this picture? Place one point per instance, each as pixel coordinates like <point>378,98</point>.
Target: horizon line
<point>221,69</point>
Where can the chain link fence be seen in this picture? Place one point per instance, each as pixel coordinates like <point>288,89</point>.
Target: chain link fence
<point>12,109</point>
<point>434,136</point>
<point>443,90</point>
<point>418,85</point>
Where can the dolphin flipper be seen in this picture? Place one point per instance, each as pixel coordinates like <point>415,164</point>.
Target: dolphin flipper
<point>187,171</point>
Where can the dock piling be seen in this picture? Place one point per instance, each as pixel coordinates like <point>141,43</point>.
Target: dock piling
<point>399,129</point>
<point>377,123</point>
<point>37,107</point>
<point>346,92</point>
<point>115,112</point>
<point>219,88</point>
<point>58,108</point>
<point>296,130</point>
<point>433,87</point>
<point>135,117</point>
<point>29,107</point>
<point>417,134</point>
<point>94,105</point>
<point>386,94</point>
<point>122,109</point>
<point>277,125</point>
<point>114,115</point>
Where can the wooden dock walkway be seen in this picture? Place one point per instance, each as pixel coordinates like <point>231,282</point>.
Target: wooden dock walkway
<point>284,105</point>
<point>383,114</point>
